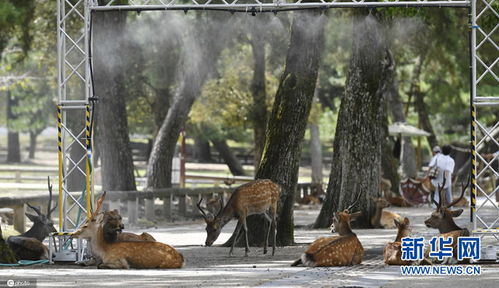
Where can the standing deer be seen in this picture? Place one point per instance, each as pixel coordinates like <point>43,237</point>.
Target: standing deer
<point>342,250</point>
<point>442,219</point>
<point>381,218</point>
<point>29,246</point>
<point>392,253</point>
<point>123,255</point>
<point>255,197</point>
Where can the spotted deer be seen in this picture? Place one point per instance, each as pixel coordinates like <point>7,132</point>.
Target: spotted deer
<point>342,250</point>
<point>255,197</point>
<point>442,219</point>
<point>29,246</point>
<point>392,254</point>
<point>382,218</point>
<point>124,255</point>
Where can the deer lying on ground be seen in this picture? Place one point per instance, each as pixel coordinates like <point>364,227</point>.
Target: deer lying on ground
<point>255,197</point>
<point>381,218</point>
<point>7,256</point>
<point>113,227</point>
<point>392,253</point>
<point>442,219</point>
<point>342,250</point>
<point>124,255</point>
<point>29,246</point>
<point>385,187</point>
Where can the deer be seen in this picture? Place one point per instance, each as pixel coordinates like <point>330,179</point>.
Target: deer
<point>29,246</point>
<point>125,255</point>
<point>381,218</point>
<point>392,254</point>
<point>442,219</point>
<point>113,227</point>
<point>342,250</point>
<point>255,197</point>
<point>7,256</point>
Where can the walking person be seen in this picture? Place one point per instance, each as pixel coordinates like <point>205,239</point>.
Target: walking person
<point>443,166</point>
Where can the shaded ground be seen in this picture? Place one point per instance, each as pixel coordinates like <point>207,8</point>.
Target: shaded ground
<point>211,266</point>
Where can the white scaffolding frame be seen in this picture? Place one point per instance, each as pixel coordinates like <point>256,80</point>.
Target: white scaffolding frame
<point>74,64</point>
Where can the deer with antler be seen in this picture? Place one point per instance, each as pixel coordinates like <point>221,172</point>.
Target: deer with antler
<point>392,253</point>
<point>442,219</point>
<point>255,197</point>
<point>29,246</point>
<point>342,250</point>
<point>123,255</point>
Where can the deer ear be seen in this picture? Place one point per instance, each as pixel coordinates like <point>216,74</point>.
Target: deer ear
<point>406,221</point>
<point>32,217</point>
<point>397,222</point>
<point>456,213</point>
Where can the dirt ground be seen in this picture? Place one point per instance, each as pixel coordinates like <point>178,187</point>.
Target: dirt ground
<point>212,267</point>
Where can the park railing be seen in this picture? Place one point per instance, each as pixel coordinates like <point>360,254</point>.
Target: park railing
<point>177,203</point>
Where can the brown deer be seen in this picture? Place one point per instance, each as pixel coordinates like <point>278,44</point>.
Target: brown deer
<point>385,187</point>
<point>113,227</point>
<point>29,246</point>
<point>255,197</point>
<point>123,255</point>
<point>392,253</point>
<point>381,218</point>
<point>442,219</point>
<point>342,250</point>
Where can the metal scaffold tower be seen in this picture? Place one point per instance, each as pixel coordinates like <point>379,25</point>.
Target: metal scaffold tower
<point>76,95</point>
<point>484,84</point>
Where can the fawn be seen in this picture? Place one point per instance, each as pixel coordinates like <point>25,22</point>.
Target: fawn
<point>342,250</point>
<point>392,254</point>
<point>255,197</point>
<point>29,246</point>
<point>381,218</point>
<point>123,255</point>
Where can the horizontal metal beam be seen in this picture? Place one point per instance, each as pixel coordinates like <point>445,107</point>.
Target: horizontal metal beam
<point>273,7</point>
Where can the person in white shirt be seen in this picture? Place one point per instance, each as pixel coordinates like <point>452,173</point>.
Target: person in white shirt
<point>445,165</point>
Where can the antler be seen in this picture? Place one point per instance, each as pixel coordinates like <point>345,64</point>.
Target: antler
<point>49,211</point>
<point>201,209</point>
<point>440,196</point>
<point>355,202</point>
<point>221,205</point>
<point>35,208</point>
<point>99,205</point>
<point>463,187</point>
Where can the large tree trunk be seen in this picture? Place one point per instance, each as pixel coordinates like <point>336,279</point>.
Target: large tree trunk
<point>13,145</point>
<point>159,167</point>
<point>202,151</point>
<point>230,159</point>
<point>357,144</point>
<point>32,144</point>
<point>288,122</point>
<point>109,69</point>
<point>259,111</point>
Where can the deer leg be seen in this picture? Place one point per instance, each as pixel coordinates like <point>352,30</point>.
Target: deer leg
<point>273,228</point>
<point>236,235</point>
<point>269,219</point>
<point>245,227</point>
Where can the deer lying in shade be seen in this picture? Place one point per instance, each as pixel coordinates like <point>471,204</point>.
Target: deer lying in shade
<point>29,246</point>
<point>113,227</point>
<point>382,218</point>
<point>255,197</point>
<point>342,250</point>
<point>392,254</point>
<point>124,255</point>
<point>442,219</point>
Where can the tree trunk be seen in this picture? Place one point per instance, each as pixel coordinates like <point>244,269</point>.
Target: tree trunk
<point>316,154</point>
<point>13,145</point>
<point>159,168</point>
<point>357,144</point>
<point>408,154</point>
<point>202,151</point>
<point>259,111</point>
<point>32,144</point>
<point>230,159</point>
<point>288,122</point>
<point>109,68</point>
